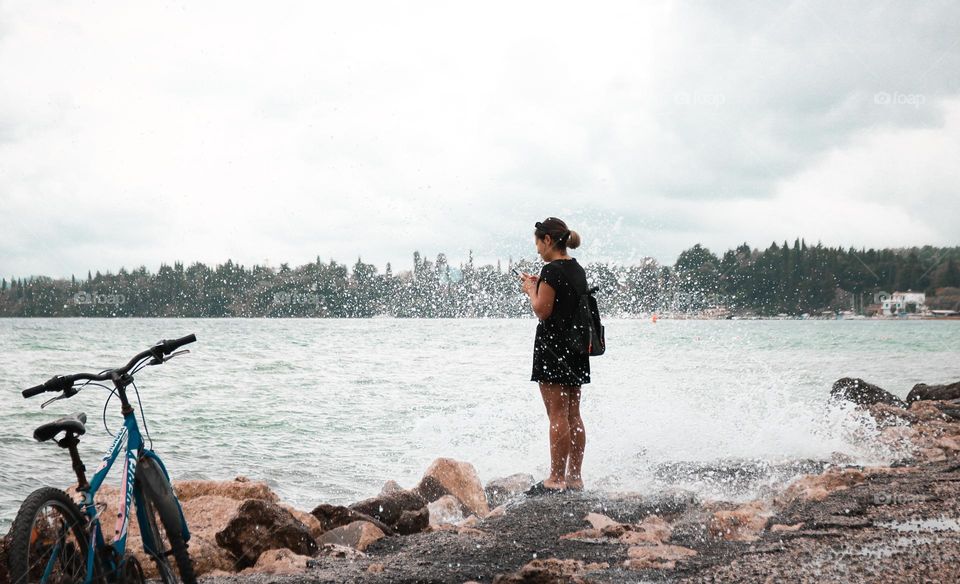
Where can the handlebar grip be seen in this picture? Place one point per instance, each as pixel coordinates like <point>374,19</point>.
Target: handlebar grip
<point>35,390</point>
<point>170,346</point>
<point>55,383</point>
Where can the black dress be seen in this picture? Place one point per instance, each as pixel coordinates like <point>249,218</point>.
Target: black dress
<point>552,363</point>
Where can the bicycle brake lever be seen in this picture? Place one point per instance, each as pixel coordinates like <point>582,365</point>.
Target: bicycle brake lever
<point>176,353</point>
<point>51,400</point>
<point>68,392</point>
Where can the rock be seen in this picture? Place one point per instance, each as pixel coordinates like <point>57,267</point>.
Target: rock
<point>550,571</point>
<point>862,393</point>
<point>261,525</point>
<point>376,568</point>
<point>933,454</point>
<point>898,437</point>
<point>471,521</point>
<point>590,535</point>
<point>888,415</point>
<point>743,523</point>
<point>499,491</point>
<point>818,487</point>
<point>312,523</point>
<point>390,487</point>
<point>922,391</point>
<point>498,512</point>
<point>927,411</point>
<point>279,561</point>
<point>413,522</point>
<point>657,557</point>
<point>948,444</point>
<point>389,508</point>
<point>332,550</point>
<point>430,488</point>
<point>240,489</point>
<point>4,571</point>
<point>844,521</point>
<point>445,510</point>
<point>446,476</point>
<point>206,515</point>
<point>652,530</point>
<point>781,528</point>
<point>334,516</point>
<point>357,535</point>
<point>598,521</point>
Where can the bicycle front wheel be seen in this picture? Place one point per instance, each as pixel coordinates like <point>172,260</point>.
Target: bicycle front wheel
<point>169,550</point>
<point>48,540</point>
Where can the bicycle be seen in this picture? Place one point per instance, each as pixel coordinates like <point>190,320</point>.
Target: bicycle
<point>54,539</point>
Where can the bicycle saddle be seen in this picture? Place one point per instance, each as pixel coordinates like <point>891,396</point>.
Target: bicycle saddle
<point>75,424</point>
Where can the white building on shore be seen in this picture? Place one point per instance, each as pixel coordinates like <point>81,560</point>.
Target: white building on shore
<point>904,303</point>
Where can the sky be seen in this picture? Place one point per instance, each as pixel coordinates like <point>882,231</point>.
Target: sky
<point>146,133</point>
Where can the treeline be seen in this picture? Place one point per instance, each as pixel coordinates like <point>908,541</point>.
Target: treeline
<point>781,279</point>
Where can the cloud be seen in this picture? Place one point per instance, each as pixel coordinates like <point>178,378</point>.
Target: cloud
<point>202,132</point>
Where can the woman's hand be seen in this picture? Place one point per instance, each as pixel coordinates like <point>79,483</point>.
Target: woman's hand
<point>529,284</point>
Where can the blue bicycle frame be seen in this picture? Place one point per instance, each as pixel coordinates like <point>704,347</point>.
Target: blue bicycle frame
<point>130,493</point>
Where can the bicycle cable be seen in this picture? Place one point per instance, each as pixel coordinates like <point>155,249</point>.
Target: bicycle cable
<point>143,416</point>
<point>113,392</point>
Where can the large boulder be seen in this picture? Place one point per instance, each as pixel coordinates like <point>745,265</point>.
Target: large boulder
<point>389,508</point>
<point>390,486</point>
<point>261,525</point>
<point>206,515</point>
<point>945,392</point>
<point>357,535</point>
<point>4,571</point>
<point>240,488</point>
<point>499,491</point>
<point>312,523</point>
<point>413,521</point>
<point>445,511</point>
<point>334,516</point>
<point>862,393</point>
<point>446,476</point>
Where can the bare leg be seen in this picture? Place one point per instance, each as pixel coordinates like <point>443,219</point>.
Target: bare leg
<point>557,401</point>
<point>578,440</point>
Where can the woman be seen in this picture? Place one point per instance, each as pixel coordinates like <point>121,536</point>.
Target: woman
<point>553,295</point>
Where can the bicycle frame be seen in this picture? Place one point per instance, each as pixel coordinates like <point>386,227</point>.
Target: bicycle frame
<point>130,493</point>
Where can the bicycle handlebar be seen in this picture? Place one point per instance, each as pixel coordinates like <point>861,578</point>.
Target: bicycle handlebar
<point>65,382</point>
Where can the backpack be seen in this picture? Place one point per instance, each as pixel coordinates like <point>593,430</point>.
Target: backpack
<point>585,335</point>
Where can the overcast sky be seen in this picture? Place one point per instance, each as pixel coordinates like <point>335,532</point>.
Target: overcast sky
<point>268,132</point>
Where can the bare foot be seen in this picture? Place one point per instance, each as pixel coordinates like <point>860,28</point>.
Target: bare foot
<point>574,484</point>
<point>552,484</point>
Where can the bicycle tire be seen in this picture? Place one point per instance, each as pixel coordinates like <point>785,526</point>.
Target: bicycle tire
<point>26,533</point>
<point>160,503</point>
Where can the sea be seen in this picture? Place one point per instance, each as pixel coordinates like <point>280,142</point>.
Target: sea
<point>327,410</point>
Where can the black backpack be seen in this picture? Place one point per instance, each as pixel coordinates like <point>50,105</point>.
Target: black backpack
<point>585,335</point>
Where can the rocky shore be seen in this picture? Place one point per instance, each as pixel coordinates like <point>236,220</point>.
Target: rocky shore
<point>842,523</point>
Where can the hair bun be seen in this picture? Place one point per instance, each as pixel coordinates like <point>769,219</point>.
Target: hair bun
<point>573,240</point>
